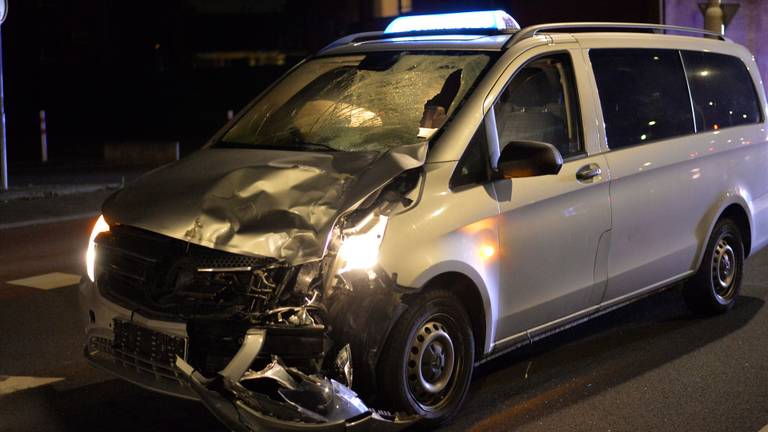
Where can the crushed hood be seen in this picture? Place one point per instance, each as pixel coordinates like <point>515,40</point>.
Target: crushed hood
<point>273,203</point>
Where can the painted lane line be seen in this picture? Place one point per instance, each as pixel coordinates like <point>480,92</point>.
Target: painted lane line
<point>48,281</point>
<point>12,384</point>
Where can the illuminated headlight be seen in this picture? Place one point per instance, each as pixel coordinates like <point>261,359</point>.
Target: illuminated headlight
<point>90,255</point>
<point>360,248</point>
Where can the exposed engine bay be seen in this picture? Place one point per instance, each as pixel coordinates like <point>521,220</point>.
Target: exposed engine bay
<point>272,344</point>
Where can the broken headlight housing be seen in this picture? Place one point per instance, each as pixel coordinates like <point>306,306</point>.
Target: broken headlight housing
<point>360,244</point>
<point>90,254</point>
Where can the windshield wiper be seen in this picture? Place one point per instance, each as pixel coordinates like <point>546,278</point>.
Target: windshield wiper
<point>311,146</point>
<point>298,146</point>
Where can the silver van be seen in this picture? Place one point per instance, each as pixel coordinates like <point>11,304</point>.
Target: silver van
<point>406,204</point>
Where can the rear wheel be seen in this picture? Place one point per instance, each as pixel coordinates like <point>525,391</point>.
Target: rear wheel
<point>426,367</point>
<point>715,286</point>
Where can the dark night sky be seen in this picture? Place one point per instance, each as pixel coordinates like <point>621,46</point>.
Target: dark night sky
<point>107,70</point>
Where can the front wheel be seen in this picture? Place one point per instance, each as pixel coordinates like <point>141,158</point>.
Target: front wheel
<point>426,367</point>
<point>715,286</point>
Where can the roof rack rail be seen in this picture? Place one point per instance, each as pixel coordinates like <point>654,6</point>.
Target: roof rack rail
<point>608,26</point>
<point>353,38</point>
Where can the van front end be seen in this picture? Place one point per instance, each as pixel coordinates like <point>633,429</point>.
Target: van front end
<point>279,366</point>
<point>174,303</point>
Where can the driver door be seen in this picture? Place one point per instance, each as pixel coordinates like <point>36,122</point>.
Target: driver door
<point>553,229</point>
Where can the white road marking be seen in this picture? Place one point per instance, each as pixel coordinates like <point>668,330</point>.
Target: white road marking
<point>48,281</point>
<point>12,384</point>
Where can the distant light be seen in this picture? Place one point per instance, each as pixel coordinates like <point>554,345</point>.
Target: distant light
<point>481,20</point>
<point>704,73</point>
<point>744,116</point>
<point>711,103</point>
<point>652,123</point>
<point>643,137</point>
<point>716,127</point>
<point>656,58</point>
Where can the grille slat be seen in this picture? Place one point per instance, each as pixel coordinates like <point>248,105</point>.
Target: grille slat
<point>156,273</point>
<point>103,347</point>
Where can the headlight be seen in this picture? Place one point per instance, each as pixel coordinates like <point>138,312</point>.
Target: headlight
<point>90,255</point>
<point>360,247</point>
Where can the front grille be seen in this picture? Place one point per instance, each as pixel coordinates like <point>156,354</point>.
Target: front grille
<point>158,274</point>
<point>164,373</point>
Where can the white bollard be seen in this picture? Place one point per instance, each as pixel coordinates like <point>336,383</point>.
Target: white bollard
<point>43,137</point>
<point>230,114</point>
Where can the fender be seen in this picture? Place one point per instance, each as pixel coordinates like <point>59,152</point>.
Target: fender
<point>736,195</point>
<point>489,300</point>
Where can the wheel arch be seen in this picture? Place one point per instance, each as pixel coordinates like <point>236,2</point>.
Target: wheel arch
<point>737,213</point>
<point>737,208</point>
<point>475,287</point>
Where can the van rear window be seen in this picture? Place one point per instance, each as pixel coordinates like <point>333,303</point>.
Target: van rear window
<point>643,94</point>
<point>722,89</point>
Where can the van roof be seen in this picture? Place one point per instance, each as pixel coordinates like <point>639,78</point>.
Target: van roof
<point>494,40</point>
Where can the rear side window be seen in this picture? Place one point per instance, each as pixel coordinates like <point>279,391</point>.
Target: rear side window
<point>722,89</point>
<point>643,94</point>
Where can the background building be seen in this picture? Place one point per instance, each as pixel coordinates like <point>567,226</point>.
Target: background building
<point>149,71</point>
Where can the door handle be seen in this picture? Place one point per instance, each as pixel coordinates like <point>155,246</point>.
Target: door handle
<point>587,173</point>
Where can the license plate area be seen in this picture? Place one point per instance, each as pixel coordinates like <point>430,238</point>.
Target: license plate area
<point>151,345</point>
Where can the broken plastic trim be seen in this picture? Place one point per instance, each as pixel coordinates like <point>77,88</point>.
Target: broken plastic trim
<point>240,409</point>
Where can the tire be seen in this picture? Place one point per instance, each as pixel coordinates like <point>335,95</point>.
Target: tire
<point>716,285</point>
<point>426,366</point>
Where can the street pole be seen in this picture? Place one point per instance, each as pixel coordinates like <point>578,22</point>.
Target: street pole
<point>43,137</point>
<point>713,17</point>
<point>3,151</point>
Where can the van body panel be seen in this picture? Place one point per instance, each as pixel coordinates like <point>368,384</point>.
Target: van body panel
<point>675,184</point>
<point>448,231</point>
<point>550,231</point>
<point>669,181</point>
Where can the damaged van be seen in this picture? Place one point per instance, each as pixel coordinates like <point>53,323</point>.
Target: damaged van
<point>406,204</point>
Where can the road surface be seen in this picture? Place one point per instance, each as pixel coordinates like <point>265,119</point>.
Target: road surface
<point>651,366</point>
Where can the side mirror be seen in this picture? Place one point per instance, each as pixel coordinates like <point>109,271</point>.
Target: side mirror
<point>529,159</point>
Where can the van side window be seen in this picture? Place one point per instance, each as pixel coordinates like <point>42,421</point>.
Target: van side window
<point>540,104</point>
<point>643,94</point>
<point>473,167</point>
<point>722,89</point>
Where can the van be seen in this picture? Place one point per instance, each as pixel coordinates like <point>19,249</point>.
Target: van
<point>407,204</point>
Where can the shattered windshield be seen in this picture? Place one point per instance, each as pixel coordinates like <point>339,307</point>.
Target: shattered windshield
<point>371,102</point>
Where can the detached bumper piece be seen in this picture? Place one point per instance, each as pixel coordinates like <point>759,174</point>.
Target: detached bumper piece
<point>282,398</point>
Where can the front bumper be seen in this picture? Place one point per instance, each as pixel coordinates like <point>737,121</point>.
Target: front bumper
<point>241,410</point>
<point>100,350</point>
<point>143,372</point>
<point>223,395</point>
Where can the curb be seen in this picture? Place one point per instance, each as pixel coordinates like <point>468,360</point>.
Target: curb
<point>48,220</point>
<point>55,190</point>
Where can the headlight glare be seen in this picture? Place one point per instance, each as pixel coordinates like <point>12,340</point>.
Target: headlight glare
<point>360,251</point>
<point>90,254</point>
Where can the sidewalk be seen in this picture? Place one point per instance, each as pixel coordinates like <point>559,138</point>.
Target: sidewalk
<point>48,193</point>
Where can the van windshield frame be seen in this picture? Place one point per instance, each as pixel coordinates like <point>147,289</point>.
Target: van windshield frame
<point>360,102</point>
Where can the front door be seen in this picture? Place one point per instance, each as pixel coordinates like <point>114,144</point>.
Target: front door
<point>553,229</point>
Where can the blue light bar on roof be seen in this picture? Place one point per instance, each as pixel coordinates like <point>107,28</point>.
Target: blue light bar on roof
<point>481,20</point>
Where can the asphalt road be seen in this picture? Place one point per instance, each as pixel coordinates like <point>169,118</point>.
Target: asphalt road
<point>651,366</point>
